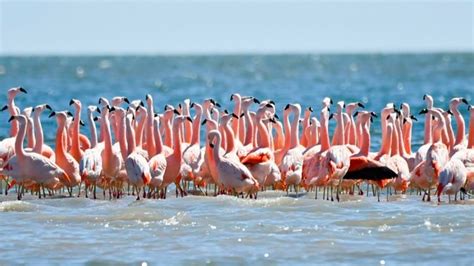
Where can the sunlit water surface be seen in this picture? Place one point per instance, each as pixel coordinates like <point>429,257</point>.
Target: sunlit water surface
<point>273,229</point>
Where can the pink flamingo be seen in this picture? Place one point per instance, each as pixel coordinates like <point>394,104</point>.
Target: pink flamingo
<point>233,175</point>
<point>192,152</point>
<point>40,147</point>
<point>158,162</point>
<point>451,178</point>
<point>63,158</point>
<point>25,166</point>
<point>76,151</point>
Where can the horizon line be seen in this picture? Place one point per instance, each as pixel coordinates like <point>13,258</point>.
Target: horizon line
<point>236,53</point>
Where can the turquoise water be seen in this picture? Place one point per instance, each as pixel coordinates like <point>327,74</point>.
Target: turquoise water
<point>274,229</point>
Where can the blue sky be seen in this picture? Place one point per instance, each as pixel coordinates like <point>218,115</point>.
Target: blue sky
<point>176,27</point>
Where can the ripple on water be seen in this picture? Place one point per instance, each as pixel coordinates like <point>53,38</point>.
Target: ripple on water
<point>18,206</point>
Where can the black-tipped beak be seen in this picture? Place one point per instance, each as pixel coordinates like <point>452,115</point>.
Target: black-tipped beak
<point>272,120</point>
<point>276,116</point>
<point>331,116</point>
<point>211,145</point>
<point>255,100</point>
<point>112,109</point>
<point>218,105</point>
<point>272,102</point>
<point>81,123</point>
<point>53,113</point>
<point>226,112</point>
<point>189,119</point>
<point>98,110</point>
<point>179,106</point>
<point>192,105</point>
<point>100,100</point>
<point>155,115</point>
<point>203,122</point>
<point>310,109</point>
<point>355,114</point>
<point>413,118</point>
<point>11,118</point>
<point>287,106</point>
<point>176,112</point>
<point>423,111</point>
<point>231,97</point>
<point>330,101</point>
<point>125,99</point>
<point>96,118</point>
<point>23,90</point>
<point>269,105</point>
<point>69,113</point>
<point>142,104</point>
<point>464,101</point>
<point>449,112</point>
<point>71,102</point>
<point>242,115</point>
<point>424,97</point>
<point>48,107</point>
<point>5,107</point>
<point>373,114</point>
<point>388,117</point>
<point>397,111</point>
<point>360,105</point>
<point>235,116</point>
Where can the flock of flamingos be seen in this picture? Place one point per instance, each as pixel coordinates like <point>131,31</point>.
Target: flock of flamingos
<point>141,151</point>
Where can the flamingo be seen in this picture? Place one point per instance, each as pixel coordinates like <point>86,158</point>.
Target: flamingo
<point>158,162</point>
<point>40,147</point>
<point>292,162</point>
<point>192,152</point>
<point>32,166</point>
<point>261,161</point>
<point>63,158</point>
<point>233,175</point>
<point>76,151</point>
<point>451,178</point>
<point>90,165</point>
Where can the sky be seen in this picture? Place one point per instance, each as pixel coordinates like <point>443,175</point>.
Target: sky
<point>220,27</point>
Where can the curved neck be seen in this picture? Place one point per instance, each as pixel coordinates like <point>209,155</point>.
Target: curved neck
<point>295,129</point>
<point>60,140</point>
<point>197,127</point>
<point>263,132</point>
<point>93,129</point>
<point>286,125</point>
<point>385,148</point>
<point>105,124</point>
<point>150,141</point>
<point>338,138</point>
<point>470,143</point>
<point>428,136</point>
<point>157,136</point>
<point>249,128</point>
<point>75,130</point>
<point>352,131</point>
<point>132,145</point>
<point>365,139</point>
<point>176,138</point>
<point>450,133</point>
<point>20,137</point>
<point>30,133</point>
<point>139,137</point>
<point>168,134</point>
<point>461,125</point>
<point>188,125</point>
<point>13,112</point>
<point>407,127</point>
<point>122,137</point>
<point>235,122</point>
<point>215,149</point>
<point>229,138</point>
<point>38,132</point>
<point>324,133</point>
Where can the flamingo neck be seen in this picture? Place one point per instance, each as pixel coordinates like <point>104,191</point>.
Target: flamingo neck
<point>407,127</point>
<point>188,125</point>
<point>286,125</point>
<point>197,127</point>
<point>93,129</point>
<point>295,129</point>
<point>132,145</point>
<point>75,130</point>
<point>235,121</point>
<point>13,112</point>
<point>141,125</point>
<point>20,137</point>
<point>304,137</point>
<point>249,128</point>
<point>150,141</point>
<point>470,143</point>
<point>324,133</point>
<point>450,133</point>
<point>105,124</point>
<point>38,132</point>
<point>263,132</point>
<point>365,139</point>
<point>461,125</point>
<point>176,139</point>
<point>122,138</point>
<point>385,149</point>
<point>30,133</point>
<point>60,140</point>
<point>229,138</point>
<point>215,149</point>
<point>428,129</point>
<point>400,137</point>
<point>168,133</point>
<point>157,136</point>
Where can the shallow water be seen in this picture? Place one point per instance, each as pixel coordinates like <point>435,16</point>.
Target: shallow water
<point>275,229</point>
<point>223,229</point>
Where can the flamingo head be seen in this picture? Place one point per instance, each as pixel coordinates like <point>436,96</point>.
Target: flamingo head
<point>13,92</point>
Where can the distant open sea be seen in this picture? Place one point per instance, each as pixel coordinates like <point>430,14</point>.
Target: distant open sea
<point>275,229</point>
